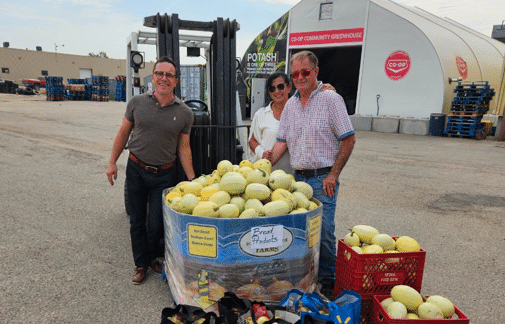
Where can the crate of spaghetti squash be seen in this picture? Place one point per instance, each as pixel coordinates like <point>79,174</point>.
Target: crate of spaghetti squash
<point>371,263</point>
<point>229,233</point>
<point>406,305</point>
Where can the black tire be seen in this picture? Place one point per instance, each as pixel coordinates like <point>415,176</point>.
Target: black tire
<point>197,105</point>
<point>481,134</point>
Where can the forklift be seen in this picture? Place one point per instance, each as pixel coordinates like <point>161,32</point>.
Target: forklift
<point>215,134</point>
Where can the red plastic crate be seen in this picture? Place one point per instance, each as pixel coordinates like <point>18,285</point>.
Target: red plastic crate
<point>377,273</point>
<point>380,316</point>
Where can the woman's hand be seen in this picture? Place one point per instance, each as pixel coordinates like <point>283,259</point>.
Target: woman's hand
<point>328,86</point>
<point>268,155</point>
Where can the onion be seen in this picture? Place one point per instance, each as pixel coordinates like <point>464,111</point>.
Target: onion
<point>278,289</point>
<point>252,290</point>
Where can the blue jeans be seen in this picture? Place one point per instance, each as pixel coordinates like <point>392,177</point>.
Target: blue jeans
<point>328,248</point>
<point>146,226</point>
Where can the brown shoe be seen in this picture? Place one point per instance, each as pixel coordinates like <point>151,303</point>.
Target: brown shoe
<point>139,275</point>
<point>155,266</point>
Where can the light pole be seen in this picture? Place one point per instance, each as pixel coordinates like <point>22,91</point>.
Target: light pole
<point>56,51</point>
<point>56,47</point>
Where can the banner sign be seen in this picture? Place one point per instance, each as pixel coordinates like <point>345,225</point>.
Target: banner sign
<point>354,35</point>
<point>265,55</point>
<point>462,67</point>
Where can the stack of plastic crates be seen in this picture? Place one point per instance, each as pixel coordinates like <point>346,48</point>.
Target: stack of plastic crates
<point>55,90</point>
<point>468,107</point>
<point>120,94</point>
<point>76,89</point>
<point>100,90</point>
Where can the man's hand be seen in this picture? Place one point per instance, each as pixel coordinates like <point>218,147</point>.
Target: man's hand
<point>329,184</point>
<point>112,173</point>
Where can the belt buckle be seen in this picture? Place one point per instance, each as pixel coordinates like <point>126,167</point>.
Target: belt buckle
<point>151,169</point>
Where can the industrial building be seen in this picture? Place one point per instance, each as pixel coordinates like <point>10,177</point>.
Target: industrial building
<point>385,59</point>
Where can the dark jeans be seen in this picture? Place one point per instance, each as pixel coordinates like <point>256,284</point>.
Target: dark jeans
<point>146,226</point>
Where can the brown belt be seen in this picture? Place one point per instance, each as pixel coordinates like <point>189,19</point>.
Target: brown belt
<point>149,168</point>
<point>313,173</point>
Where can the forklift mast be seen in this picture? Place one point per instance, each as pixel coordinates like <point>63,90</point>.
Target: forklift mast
<point>210,143</point>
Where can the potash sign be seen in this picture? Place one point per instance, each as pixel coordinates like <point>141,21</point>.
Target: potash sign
<point>354,35</point>
<point>397,65</point>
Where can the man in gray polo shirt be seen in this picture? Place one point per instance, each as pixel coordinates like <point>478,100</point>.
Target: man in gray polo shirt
<point>160,125</point>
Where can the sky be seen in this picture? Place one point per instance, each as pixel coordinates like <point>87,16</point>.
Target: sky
<point>81,27</point>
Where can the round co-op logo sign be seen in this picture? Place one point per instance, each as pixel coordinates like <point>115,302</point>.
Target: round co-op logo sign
<point>397,65</point>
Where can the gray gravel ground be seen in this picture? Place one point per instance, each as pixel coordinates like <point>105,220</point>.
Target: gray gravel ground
<point>64,239</point>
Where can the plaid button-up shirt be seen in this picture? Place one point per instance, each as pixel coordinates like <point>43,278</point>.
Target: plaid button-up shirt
<point>313,133</point>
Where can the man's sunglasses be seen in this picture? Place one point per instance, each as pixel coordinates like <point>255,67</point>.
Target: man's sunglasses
<point>280,86</point>
<point>304,73</point>
<point>160,74</point>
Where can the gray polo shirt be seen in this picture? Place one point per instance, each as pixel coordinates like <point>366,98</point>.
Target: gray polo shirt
<point>156,129</point>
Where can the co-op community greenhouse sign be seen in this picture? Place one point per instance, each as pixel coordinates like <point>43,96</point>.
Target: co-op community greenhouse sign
<point>352,35</point>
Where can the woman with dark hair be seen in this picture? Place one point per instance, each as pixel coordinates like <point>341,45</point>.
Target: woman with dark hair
<point>266,122</point>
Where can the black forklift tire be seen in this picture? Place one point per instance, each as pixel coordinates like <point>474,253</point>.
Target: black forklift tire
<point>481,134</point>
<point>197,105</point>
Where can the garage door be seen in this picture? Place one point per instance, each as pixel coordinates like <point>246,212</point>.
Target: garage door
<point>85,74</point>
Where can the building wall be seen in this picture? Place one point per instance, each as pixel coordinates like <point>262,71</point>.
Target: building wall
<point>463,53</point>
<point>345,14</point>
<point>414,92</point>
<point>28,64</point>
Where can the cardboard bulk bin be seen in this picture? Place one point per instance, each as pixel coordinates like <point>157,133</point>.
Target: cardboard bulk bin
<point>257,258</point>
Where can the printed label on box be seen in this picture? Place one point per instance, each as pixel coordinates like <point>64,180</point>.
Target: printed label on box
<point>390,278</point>
<point>314,231</point>
<point>266,237</point>
<point>250,241</point>
<point>202,241</point>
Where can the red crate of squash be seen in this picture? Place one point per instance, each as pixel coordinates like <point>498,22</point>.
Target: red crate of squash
<point>380,316</point>
<point>377,273</point>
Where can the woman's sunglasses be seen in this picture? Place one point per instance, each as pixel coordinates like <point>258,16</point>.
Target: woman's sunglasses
<point>304,73</point>
<point>280,86</point>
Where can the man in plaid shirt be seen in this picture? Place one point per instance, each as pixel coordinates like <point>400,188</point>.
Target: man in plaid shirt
<point>316,129</point>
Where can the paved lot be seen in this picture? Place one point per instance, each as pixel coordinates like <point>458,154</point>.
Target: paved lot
<point>64,239</point>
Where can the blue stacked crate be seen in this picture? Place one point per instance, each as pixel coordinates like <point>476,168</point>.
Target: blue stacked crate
<point>88,90</point>
<point>77,90</point>
<point>100,91</point>
<point>55,90</point>
<point>468,107</point>
<point>120,94</point>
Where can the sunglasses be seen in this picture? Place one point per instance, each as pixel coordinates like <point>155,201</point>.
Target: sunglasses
<point>280,86</point>
<point>160,74</point>
<point>304,73</point>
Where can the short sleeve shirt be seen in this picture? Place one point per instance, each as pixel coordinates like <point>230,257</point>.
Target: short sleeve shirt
<point>313,133</point>
<point>156,129</point>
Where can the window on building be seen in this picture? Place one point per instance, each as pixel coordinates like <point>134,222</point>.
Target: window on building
<point>44,73</point>
<point>326,11</point>
<point>5,70</point>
